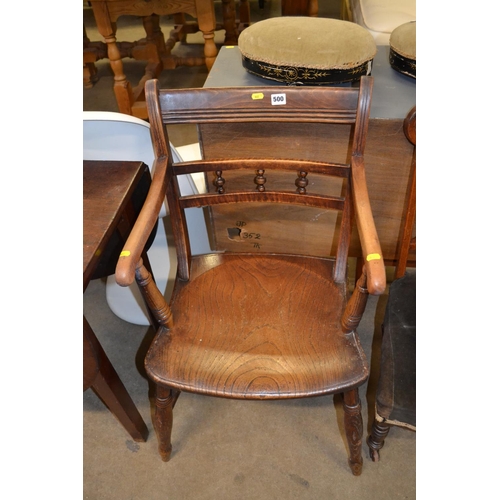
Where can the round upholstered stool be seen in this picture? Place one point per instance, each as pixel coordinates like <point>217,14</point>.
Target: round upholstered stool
<point>307,50</point>
<point>403,49</point>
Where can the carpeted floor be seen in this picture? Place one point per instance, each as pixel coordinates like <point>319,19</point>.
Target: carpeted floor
<point>226,449</point>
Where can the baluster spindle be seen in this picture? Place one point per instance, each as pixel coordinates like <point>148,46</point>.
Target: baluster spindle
<point>301,182</point>
<point>219,182</point>
<point>260,180</point>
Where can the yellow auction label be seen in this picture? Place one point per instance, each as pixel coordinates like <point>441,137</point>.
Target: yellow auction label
<point>373,256</point>
<point>258,95</point>
<point>125,253</point>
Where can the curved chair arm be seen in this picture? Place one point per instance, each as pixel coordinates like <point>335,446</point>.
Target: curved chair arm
<point>372,253</point>
<point>134,247</point>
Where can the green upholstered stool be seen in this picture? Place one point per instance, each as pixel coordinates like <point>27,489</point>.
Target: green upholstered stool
<point>307,50</point>
<point>403,52</point>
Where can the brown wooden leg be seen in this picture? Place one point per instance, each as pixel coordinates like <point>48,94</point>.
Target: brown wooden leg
<point>244,14</point>
<point>180,20</point>
<point>229,22</point>
<point>206,22</point>
<point>377,438</point>
<point>354,430</point>
<point>122,87</point>
<point>163,420</point>
<point>89,69</point>
<point>107,385</point>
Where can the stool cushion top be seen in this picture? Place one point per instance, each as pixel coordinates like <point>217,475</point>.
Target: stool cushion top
<point>309,42</point>
<point>403,49</point>
<point>404,41</point>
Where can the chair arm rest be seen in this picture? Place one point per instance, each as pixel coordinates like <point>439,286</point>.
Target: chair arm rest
<point>134,246</point>
<point>370,245</point>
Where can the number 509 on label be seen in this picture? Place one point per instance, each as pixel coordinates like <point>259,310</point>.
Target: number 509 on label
<point>278,99</point>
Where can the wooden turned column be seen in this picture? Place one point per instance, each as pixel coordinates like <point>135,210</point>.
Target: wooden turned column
<point>353,422</point>
<point>122,88</point>
<point>163,420</point>
<point>153,298</point>
<point>229,22</point>
<point>206,22</point>
<point>244,14</point>
<point>154,34</point>
<point>376,439</point>
<point>356,305</point>
<point>89,69</point>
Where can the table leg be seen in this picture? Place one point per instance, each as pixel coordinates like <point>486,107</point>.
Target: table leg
<point>89,69</point>
<point>122,87</point>
<point>229,22</point>
<point>100,375</point>
<point>244,14</point>
<point>206,22</point>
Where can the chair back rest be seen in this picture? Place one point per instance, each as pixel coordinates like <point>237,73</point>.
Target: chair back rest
<point>408,242</point>
<point>340,106</point>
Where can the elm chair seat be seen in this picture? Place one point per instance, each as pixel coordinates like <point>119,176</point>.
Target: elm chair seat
<point>265,342</point>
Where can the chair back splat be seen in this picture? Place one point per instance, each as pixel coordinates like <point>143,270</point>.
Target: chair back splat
<point>253,324</point>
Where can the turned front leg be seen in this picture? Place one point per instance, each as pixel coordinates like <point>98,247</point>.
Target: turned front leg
<point>377,438</point>
<point>353,422</point>
<point>163,420</point>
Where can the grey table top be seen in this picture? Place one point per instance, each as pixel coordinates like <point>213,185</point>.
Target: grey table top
<point>394,94</point>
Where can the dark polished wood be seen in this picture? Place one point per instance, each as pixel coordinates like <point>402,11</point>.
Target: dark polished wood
<point>250,325</point>
<point>299,8</point>
<point>108,187</point>
<point>407,240</point>
<point>397,358</point>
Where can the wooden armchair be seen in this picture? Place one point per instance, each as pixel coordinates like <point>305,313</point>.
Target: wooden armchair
<point>396,390</point>
<point>259,325</point>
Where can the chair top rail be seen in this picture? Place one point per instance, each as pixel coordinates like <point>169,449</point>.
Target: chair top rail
<point>254,104</point>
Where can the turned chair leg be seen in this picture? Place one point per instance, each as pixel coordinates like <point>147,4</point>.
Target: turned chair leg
<point>376,439</point>
<point>163,419</point>
<point>353,422</point>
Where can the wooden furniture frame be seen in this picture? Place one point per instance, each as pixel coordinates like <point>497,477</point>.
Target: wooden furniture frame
<point>108,187</point>
<point>396,390</point>
<point>258,325</point>
<point>407,240</point>
<point>153,49</point>
<point>299,8</point>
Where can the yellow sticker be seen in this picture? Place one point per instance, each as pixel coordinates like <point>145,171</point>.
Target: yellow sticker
<point>229,46</point>
<point>373,256</point>
<point>258,95</point>
<point>125,253</point>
